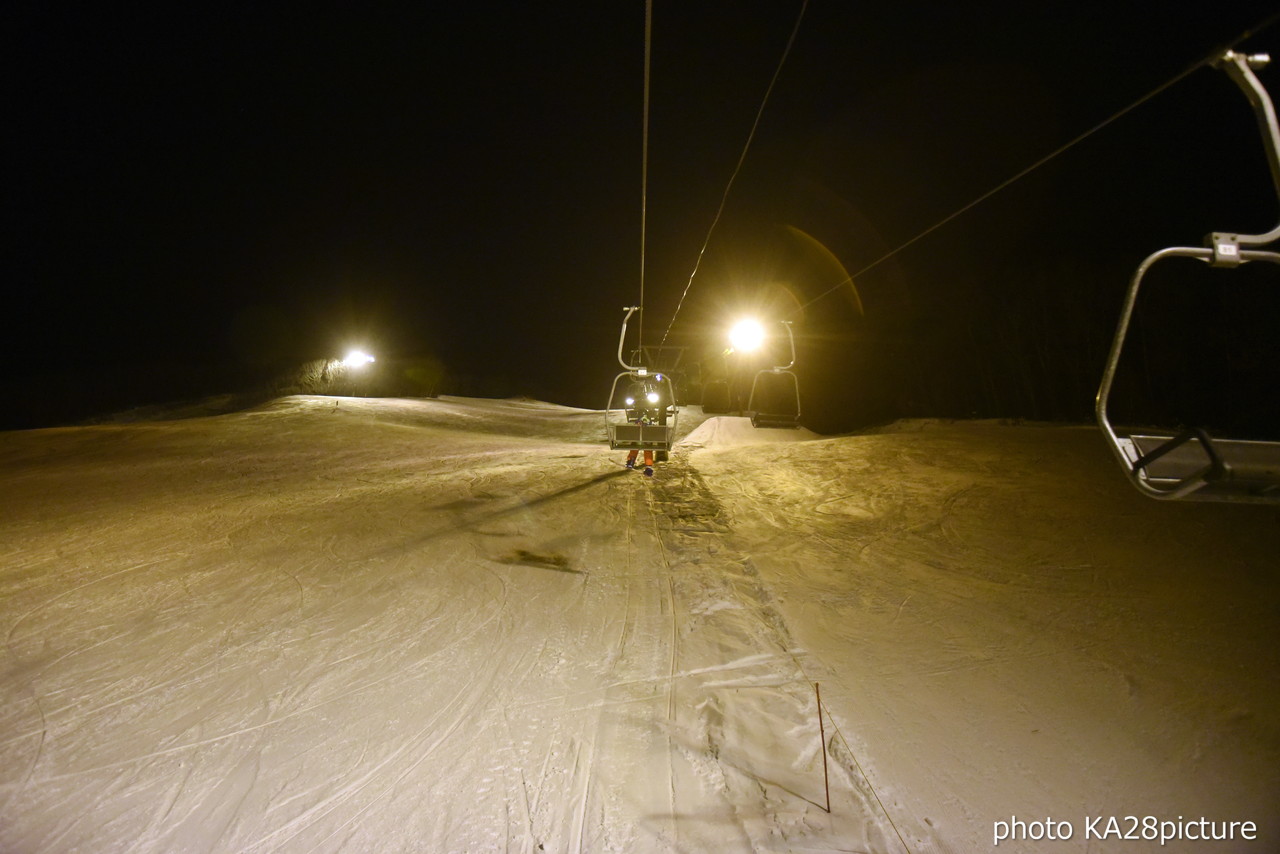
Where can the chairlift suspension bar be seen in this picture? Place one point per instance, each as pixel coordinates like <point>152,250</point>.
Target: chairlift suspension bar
<point>622,339</point>
<point>791,338</point>
<point>1239,67</point>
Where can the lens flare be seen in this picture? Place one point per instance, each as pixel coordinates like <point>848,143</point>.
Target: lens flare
<point>746,335</point>
<point>357,359</point>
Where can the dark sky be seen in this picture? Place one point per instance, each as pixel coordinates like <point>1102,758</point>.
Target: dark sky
<point>218,184</point>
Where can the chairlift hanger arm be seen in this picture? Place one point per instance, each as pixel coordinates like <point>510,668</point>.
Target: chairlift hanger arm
<point>792,339</point>
<point>622,339</point>
<point>1240,67</point>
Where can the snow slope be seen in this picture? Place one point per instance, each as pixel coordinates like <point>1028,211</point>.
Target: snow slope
<point>338,624</point>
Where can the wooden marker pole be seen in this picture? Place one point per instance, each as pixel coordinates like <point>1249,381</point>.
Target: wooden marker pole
<point>822,731</point>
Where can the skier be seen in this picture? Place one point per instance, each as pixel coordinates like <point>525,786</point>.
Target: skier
<point>648,461</point>
<point>642,415</point>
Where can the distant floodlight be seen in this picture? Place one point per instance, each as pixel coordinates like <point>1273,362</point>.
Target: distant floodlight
<point>357,359</point>
<point>631,401</point>
<point>652,397</point>
<point>746,335</point>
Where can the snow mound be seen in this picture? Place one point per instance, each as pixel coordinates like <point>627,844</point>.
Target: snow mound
<point>732,431</point>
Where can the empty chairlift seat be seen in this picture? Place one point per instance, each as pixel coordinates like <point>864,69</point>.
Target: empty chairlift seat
<point>1203,468</point>
<point>775,393</point>
<point>1191,464</point>
<point>775,400</point>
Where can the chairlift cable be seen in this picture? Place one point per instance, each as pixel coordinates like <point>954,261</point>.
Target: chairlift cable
<point>1207,60</point>
<point>644,161</point>
<point>736,169</point>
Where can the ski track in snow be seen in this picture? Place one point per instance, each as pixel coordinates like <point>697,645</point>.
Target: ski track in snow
<point>352,625</point>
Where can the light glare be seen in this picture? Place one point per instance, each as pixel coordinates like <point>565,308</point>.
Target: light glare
<point>746,335</point>
<point>357,359</point>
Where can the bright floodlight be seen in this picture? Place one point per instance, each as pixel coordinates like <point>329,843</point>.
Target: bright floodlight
<point>747,335</point>
<point>357,359</point>
<point>652,397</point>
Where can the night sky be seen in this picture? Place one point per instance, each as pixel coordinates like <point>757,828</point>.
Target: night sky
<point>199,193</point>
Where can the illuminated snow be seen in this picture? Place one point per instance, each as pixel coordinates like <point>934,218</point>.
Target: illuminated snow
<point>337,624</point>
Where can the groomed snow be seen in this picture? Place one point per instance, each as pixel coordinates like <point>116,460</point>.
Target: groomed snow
<point>336,624</point>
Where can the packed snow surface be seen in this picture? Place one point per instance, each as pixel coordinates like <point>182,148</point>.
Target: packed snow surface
<point>336,624</point>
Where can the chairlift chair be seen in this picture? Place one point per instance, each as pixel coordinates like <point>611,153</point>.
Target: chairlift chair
<point>621,422</point>
<point>1190,464</point>
<point>780,391</point>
